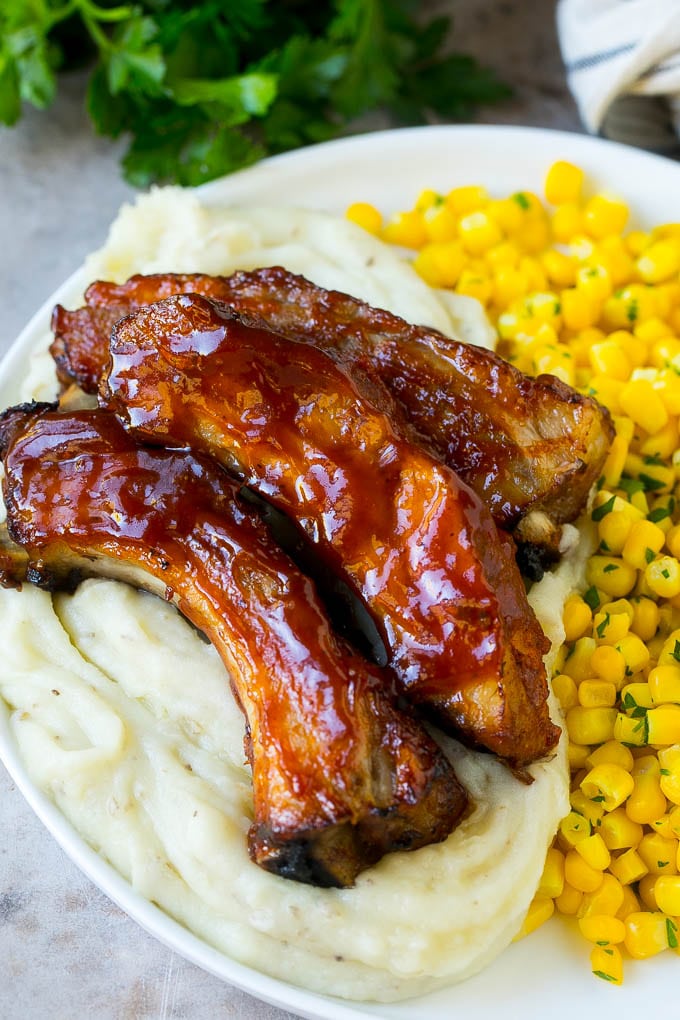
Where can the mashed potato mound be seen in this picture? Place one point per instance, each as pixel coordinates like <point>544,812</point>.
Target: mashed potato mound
<point>124,717</point>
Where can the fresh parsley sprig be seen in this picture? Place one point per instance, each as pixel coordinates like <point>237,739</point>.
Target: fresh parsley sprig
<point>206,88</point>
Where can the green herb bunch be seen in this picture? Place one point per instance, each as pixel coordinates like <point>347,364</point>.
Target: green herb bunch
<point>208,87</point>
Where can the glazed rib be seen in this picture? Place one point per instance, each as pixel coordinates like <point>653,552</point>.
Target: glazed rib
<point>340,775</point>
<point>323,445</point>
<point>522,444</point>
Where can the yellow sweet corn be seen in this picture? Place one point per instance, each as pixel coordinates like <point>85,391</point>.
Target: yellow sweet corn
<point>644,541</point>
<point>540,910</point>
<point>647,933</point>
<point>573,295</point>
<point>563,183</point>
<point>603,929</point>
<point>609,664</point>
<point>628,867</point>
<point>551,883</point>
<point>606,962</point>
<point>667,894</point>
<point>569,900</point>
<point>577,617</point>
<point>594,852</point>
<point>366,216</point>
<point>659,853</point>
<point>619,832</point>
<point>591,725</point>
<point>580,874</point>
<point>609,783</point>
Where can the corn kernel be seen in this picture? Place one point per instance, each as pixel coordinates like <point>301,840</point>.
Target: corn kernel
<point>663,576</point>
<point>579,309</point>
<point>577,755</point>
<point>609,664</point>
<point>479,232</point>
<point>644,541</point>
<point>635,653</point>
<point>629,904</point>
<point>565,691</point>
<point>563,183</point>
<point>628,867</point>
<point>467,199</point>
<point>619,832</point>
<point>476,285</point>
<point>507,213</point>
<point>636,241</point>
<point>594,852</point>
<point>664,442</point>
<point>567,221</point>
<point>572,829</point>
<point>441,224</point>
<point>559,268</point>
<point>540,910</point>
<point>595,281</point>
<point>612,471</point>
<point>605,214</point>
<point>632,732</point>
<point>590,725</point>
<point>647,802</point>
<point>606,899</point>
<point>607,358</point>
<point>406,229</point>
<point>365,216</point>
<point>636,696</point>
<point>569,900</point>
<point>645,618</point>
<point>659,853</point>
<point>602,928</point>
<point>659,261</point>
<point>612,753</point>
<point>670,653</point>
<point>663,725</point>
<point>667,894</point>
<point>577,617</point>
<point>646,934</point>
<point>609,783</point>
<point>579,873</point>
<point>440,264</point>
<point>610,628</point>
<point>577,663</point>
<point>552,879</point>
<point>669,776</point>
<point>614,576</point>
<point>591,810</point>
<point>597,694</point>
<point>647,892</point>
<point>606,962</point>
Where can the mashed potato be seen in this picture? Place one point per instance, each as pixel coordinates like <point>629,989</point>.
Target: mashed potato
<point>124,718</point>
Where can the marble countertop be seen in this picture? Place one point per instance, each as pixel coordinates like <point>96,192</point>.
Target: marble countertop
<point>66,951</point>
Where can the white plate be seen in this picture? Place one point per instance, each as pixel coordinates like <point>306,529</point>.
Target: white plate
<point>547,974</point>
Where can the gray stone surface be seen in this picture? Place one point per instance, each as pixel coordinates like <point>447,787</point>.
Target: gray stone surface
<point>66,952</point>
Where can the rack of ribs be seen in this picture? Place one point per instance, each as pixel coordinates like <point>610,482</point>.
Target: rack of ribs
<point>325,443</point>
<point>523,444</point>
<point>341,775</point>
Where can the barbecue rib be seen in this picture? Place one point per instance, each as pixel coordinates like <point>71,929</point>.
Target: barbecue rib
<point>323,445</point>
<point>522,444</point>
<point>340,775</point>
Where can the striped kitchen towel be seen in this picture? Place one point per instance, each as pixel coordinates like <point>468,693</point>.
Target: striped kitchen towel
<point>623,67</point>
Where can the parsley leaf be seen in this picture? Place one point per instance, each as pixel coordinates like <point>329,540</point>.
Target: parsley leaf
<point>205,88</point>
